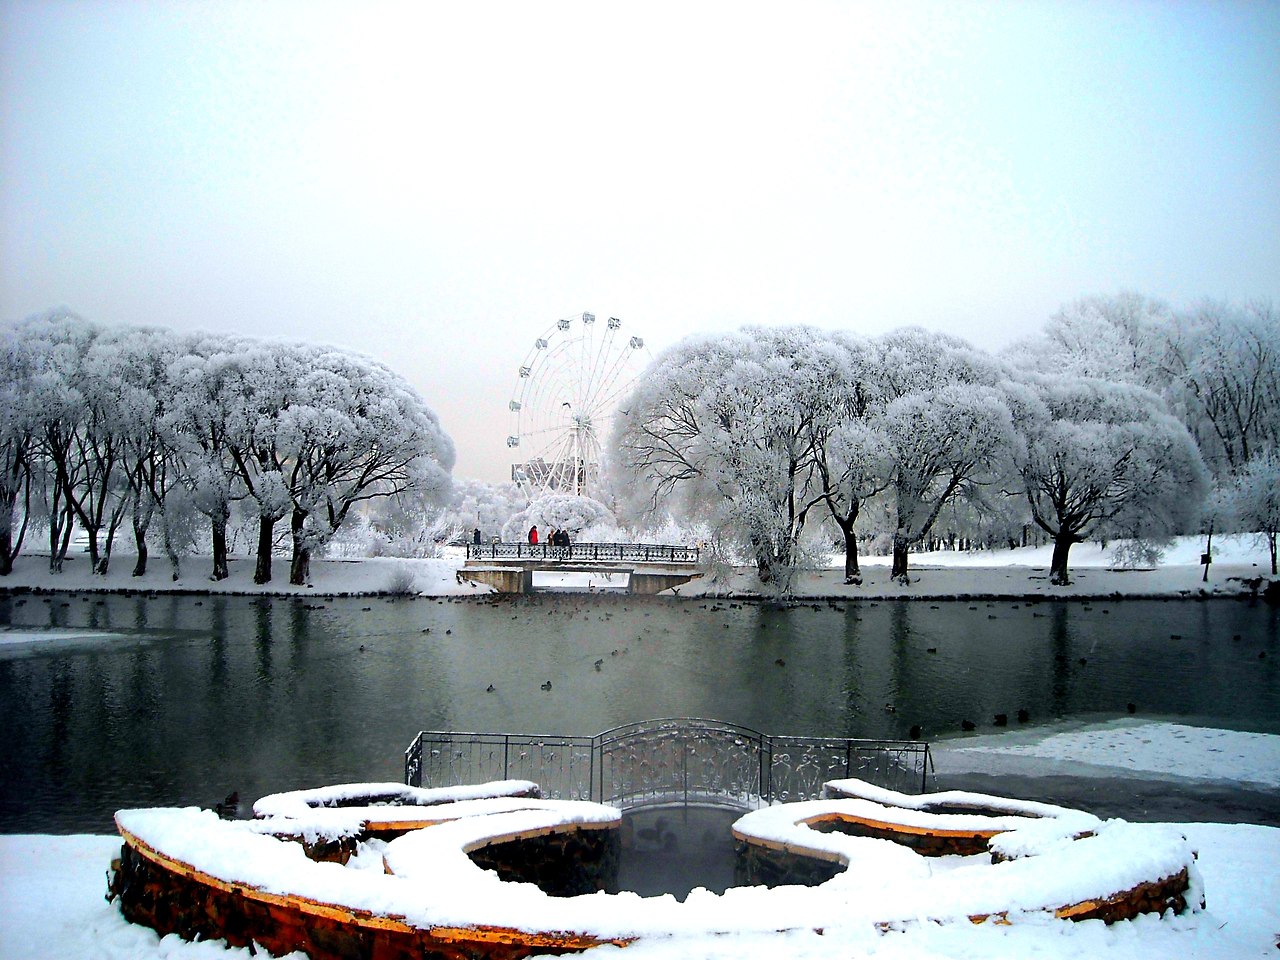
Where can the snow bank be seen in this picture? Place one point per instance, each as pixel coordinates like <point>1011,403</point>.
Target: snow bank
<point>53,907</point>
<point>375,575</point>
<point>1121,747</point>
<point>1020,573</point>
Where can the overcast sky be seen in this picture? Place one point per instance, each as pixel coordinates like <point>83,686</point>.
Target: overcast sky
<point>435,184</point>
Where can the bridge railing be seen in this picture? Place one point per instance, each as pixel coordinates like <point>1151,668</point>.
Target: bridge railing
<point>586,552</point>
<point>657,762</point>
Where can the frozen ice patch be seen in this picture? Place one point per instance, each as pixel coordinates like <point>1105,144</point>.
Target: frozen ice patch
<point>1161,749</point>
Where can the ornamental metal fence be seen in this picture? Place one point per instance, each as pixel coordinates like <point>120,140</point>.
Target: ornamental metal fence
<point>586,552</point>
<point>657,762</point>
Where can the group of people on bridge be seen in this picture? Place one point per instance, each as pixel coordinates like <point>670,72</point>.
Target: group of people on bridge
<point>558,538</point>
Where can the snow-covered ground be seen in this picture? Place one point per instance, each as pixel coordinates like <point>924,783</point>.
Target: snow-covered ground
<point>980,573</point>
<point>1117,748</point>
<point>1024,572</point>
<point>53,904</point>
<point>377,575</point>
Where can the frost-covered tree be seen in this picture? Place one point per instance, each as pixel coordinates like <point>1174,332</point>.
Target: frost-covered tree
<point>198,427</point>
<point>363,432</point>
<point>1254,499</point>
<point>1118,337</point>
<point>723,428</point>
<point>851,455</point>
<point>77,466</point>
<point>854,464</point>
<point>584,518</point>
<point>1103,457</point>
<point>478,505</point>
<point>103,423</point>
<point>940,443</point>
<point>19,439</point>
<point>130,365</point>
<point>946,426</point>
<point>268,382</point>
<point>1222,369</point>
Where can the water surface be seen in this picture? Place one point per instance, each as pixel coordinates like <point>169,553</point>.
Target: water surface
<point>197,696</point>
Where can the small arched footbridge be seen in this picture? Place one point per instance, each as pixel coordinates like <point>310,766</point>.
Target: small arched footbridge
<point>643,568</point>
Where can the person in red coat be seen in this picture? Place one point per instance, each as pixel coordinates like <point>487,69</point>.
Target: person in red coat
<point>533,535</point>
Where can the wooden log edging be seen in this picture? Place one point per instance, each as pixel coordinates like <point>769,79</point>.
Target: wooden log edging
<point>862,810</point>
<point>444,889</point>
<point>173,896</point>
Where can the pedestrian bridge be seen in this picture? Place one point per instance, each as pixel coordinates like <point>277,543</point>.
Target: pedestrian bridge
<point>647,567</point>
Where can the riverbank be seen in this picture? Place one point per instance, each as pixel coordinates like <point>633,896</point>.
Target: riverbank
<point>1241,568</point>
<point>373,576</point>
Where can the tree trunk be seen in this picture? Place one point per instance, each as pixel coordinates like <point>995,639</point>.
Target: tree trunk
<point>171,551</point>
<point>266,536</point>
<point>899,570</point>
<point>1271,542</point>
<point>220,570</point>
<point>764,565</point>
<point>300,563</point>
<point>113,525</point>
<point>851,572</point>
<point>94,556</point>
<point>7,550</point>
<point>140,538</point>
<point>1058,565</point>
<point>59,538</point>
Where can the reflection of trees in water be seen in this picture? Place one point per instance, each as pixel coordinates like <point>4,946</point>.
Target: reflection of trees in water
<point>853,673</point>
<point>262,639</point>
<point>1060,659</point>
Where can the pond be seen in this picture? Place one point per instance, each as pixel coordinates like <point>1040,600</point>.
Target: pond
<point>181,699</point>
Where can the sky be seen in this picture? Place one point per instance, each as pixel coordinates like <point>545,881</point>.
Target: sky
<point>436,184</point>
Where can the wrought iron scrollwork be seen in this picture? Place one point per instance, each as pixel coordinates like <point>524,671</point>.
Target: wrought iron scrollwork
<point>702,762</point>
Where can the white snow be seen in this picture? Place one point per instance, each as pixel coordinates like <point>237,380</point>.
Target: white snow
<point>592,582</point>
<point>374,575</point>
<point>53,907</point>
<point>1121,748</point>
<point>1238,865</point>
<point>300,803</point>
<point>452,891</point>
<point>1022,572</point>
<point>976,573</point>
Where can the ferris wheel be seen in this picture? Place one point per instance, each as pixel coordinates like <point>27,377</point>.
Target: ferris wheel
<point>566,394</point>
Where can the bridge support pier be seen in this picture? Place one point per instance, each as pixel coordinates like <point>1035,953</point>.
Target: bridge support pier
<point>650,583</point>
<point>504,579</point>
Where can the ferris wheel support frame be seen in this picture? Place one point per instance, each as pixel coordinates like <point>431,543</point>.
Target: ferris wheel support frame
<point>588,379</point>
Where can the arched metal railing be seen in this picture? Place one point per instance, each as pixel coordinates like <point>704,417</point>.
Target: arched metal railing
<point>586,552</point>
<point>658,762</point>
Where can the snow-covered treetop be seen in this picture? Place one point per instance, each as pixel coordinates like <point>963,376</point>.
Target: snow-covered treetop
<point>583,517</point>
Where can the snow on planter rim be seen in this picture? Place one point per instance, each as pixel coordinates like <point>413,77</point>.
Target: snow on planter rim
<point>435,884</point>
<point>333,812</point>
